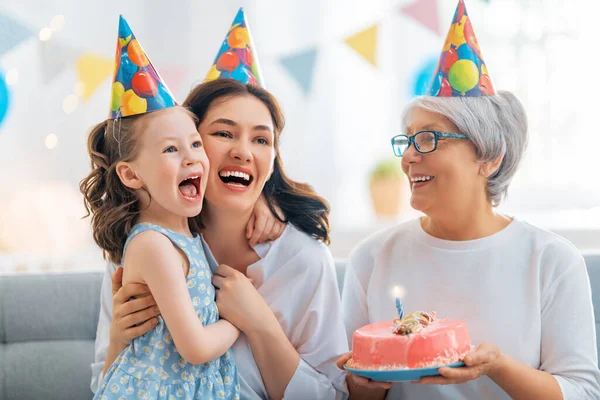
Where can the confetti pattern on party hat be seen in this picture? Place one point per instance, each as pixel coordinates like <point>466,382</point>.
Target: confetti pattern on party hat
<point>237,58</point>
<point>137,87</point>
<point>461,70</point>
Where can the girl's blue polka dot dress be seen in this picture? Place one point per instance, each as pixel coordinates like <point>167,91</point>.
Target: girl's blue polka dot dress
<point>151,367</point>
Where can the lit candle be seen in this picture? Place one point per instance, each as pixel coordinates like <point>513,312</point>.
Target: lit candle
<point>399,308</point>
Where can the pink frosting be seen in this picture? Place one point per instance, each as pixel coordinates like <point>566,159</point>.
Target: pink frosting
<point>443,341</point>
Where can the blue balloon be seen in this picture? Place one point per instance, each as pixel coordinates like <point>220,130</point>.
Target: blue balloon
<point>126,71</point>
<point>424,77</point>
<point>4,98</point>
<point>464,52</point>
<point>162,100</point>
<point>240,74</point>
<point>436,85</point>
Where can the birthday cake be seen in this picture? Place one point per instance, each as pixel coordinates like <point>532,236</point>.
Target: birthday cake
<point>417,340</point>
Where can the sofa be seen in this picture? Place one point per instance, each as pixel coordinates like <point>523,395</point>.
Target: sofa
<point>48,325</point>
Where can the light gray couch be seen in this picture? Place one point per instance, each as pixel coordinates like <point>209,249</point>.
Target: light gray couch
<point>48,326</point>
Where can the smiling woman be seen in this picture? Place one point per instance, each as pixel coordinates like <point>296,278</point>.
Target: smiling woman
<point>282,295</point>
<point>252,134</point>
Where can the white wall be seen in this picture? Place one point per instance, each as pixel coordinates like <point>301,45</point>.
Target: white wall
<point>335,134</point>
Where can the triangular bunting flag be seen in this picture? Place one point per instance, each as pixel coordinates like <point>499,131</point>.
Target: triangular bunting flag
<point>425,12</point>
<point>174,75</point>
<point>56,58</point>
<point>302,66</point>
<point>12,33</point>
<point>365,44</point>
<point>92,71</point>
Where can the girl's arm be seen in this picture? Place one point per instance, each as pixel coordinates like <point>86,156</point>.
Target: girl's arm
<point>263,225</point>
<point>152,258</point>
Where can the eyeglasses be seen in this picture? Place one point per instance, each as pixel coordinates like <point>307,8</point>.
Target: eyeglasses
<point>424,141</point>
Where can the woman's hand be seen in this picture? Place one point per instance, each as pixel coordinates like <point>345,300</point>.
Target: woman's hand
<point>359,380</point>
<point>263,225</point>
<point>239,302</point>
<point>127,315</point>
<point>477,363</point>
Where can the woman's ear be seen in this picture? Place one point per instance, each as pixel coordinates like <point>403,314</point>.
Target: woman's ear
<point>490,168</point>
<point>128,176</point>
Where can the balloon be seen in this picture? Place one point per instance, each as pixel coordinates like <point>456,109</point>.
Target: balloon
<point>213,74</point>
<point>423,79</point>
<point>125,71</point>
<point>448,59</point>
<point>117,59</point>
<point>238,38</point>
<point>117,92</point>
<point>456,36</point>
<point>463,76</point>
<point>166,96</point>
<point>228,61</point>
<point>162,100</point>
<point>445,89</point>
<point>144,85</point>
<point>460,11</point>
<point>471,39</point>
<point>136,54</point>
<point>245,56</point>
<point>435,86</point>
<point>241,74</point>
<point>153,73</point>
<point>486,86</point>
<point>4,98</point>
<point>465,52</point>
<point>131,104</point>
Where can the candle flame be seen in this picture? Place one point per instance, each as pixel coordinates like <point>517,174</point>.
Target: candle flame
<point>398,291</point>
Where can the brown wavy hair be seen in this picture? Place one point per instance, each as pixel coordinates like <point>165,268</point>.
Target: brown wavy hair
<point>300,204</point>
<point>113,206</point>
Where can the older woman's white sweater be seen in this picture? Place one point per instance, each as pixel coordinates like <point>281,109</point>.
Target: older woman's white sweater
<point>523,288</point>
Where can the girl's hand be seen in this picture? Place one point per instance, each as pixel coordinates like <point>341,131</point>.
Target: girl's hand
<point>477,363</point>
<point>359,380</point>
<point>128,314</point>
<point>239,302</point>
<point>263,225</point>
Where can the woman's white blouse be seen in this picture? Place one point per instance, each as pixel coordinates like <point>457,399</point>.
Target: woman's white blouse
<point>296,277</point>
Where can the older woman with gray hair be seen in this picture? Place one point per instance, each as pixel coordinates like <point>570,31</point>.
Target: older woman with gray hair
<point>523,292</point>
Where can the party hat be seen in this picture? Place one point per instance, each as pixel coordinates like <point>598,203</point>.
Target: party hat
<point>237,58</point>
<point>137,87</point>
<point>461,70</point>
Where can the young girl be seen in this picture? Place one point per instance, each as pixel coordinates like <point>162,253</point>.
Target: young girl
<point>149,173</point>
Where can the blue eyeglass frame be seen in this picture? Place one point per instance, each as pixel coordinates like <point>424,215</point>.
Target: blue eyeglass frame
<point>436,134</point>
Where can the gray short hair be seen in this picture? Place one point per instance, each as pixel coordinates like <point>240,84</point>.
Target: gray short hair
<point>496,125</point>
